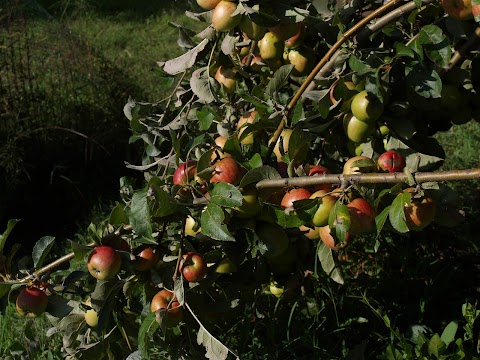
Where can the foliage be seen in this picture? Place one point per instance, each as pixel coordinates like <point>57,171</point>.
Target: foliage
<point>274,289</point>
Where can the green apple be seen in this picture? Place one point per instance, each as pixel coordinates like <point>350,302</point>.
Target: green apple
<point>226,266</point>
<point>366,107</point>
<point>208,4</point>
<point>356,130</point>
<point>251,29</point>
<point>303,61</point>
<point>247,118</point>
<point>326,203</point>
<point>251,205</point>
<point>222,19</point>
<point>270,47</point>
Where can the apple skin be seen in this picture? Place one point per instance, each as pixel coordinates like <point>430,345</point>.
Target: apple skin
<point>31,302</point>
<point>221,18</point>
<point>146,257</point>
<point>226,77</point>
<point>362,216</point>
<point>365,107</point>
<point>270,47</point>
<point>310,233</point>
<point>458,9</point>
<point>226,266</point>
<point>104,263</point>
<point>294,195</point>
<point>208,4</point>
<point>319,170</point>
<point>219,153</point>
<point>247,118</point>
<point>226,170</point>
<point>251,205</point>
<point>283,139</point>
<point>193,267</point>
<point>296,40</point>
<point>328,239</point>
<point>284,30</point>
<point>349,167</point>
<point>185,173</point>
<point>320,218</point>
<point>192,228</point>
<point>356,130</point>
<point>166,300</point>
<point>391,161</point>
<point>420,213</point>
<point>252,30</point>
<point>303,61</point>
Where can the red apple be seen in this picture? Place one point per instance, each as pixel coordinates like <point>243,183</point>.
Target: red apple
<point>226,77</point>
<point>458,9</point>
<point>146,257</point>
<point>222,19</point>
<point>362,216</point>
<point>319,170</point>
<point>226,170</point>
<point>420,213</point>
<point>104,263</point>
<point>208,4</point>
<point>328,239</point>
<point>166,300</point>
<point>358,165</point>
<point>193,267</point>
<point>391,161</point>
<point>31,302</point>
<point>293,195</point>
<point>185,173</point>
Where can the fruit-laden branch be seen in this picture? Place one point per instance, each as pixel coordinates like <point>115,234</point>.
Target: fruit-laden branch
<point>374,178</point>
<point>349,33</point>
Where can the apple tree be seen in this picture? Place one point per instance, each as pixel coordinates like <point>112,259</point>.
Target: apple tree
<point>291,171</point>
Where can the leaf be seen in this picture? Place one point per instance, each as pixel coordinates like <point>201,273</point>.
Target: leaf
<point>396,212</point>
<point>179,290</point>
<point>325,255</point>
<point>298,113</point>
<point>206,115</point>
<point>149,325</point>
<point>260,173</point>
<point>426,82</point>
<point>204,86</point>
<point>435,346</point>
<point>136,355</point>
<point>215,349</point>
<point>3,238</point>
<point>166,204</point>
<point>226,195</point>
<point>118,216</point>
<point>185,61</point>
<point>4,288</point>
<point>380,219</point>
<point>448,334</point>
<point>41,250</point>
<point>435,44</point>
<point>80,250</point>
<point>212,223</point>
<point>279,79</point>
<point>287,220</point>
<point>139,216</point>
<point>60,307</point>
<point>228,44</point>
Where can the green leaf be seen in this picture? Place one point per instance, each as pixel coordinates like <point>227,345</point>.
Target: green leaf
<point>41,250</point>
<point>298,113</point>
<point>80,250</point>
<point>166,204</point>
<point>287,220</point>
<point>212,223</point>
<point>299,145</point>
<point>380,219</point>
<point>139,216</point>
<point>185,61</point>
<point>226,195</point>
<point>403,50</point>
<point>435,346</point>
<point>325,256</point>
<point>426,82</point>
<point>3,238</point>
<point>149,326</point>
<point>339,221</point>
<point>118,216</point>
<point>435,44</point>
<point>279,79</point>
<point>206,115</point>
<point>4,288</point>
<point>204,86</point>
<point>448,334</point>
<point>260,173</point>
<point>396,212</point>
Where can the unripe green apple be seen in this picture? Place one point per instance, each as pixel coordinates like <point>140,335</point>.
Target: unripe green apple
<point>251,29</point>
<point>226,266</point>
<point>326,203</point>
<point>222,19</point>
<point>356,130</point>
<point>303,61</point>
<point>270,47</point>
<point>365,107</point>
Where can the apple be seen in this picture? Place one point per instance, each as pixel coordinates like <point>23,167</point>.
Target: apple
<point>345,90</point>
<point>284,30</point>
<point>192,228</point>
<point>391,161</point>
<point>185,173</point>
<point>31,302</point>
<point>275,289</point>
<point>326,203</point>
<point>365,107</point>
<point>420,213</point>
<point>146,257</point>
<point>166,300</point>
<point>222,19</point>
<point>219,153</point>
<point>359,164</point>
<point>226,266</point>
<point>226,77</point>
<point>458,9</point>
<point>328,239</point>
<point>251,30</point>
<point>302,59</point>
<point>104,263</point>
<point>356,130</point>
<point>319,170</point>
<point>270,47</point>
<point>251,205</point>
<point>208,4</point>
<point>91,316</point>
<point>310,233</point>
<point>294,195</point>
<point>273,236</point>
<point>226,170</point>
<point>193,267</point>
<point>362,216</point>
<point>117,242</point>
<point>247,118</point>
<point>296,40</point>
<point>281,146</point>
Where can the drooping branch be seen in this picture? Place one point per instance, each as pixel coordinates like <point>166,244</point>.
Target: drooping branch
<point>374,178</point>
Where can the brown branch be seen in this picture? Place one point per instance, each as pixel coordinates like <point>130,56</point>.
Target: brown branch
<point>472,42</point>
<point>374,178</point>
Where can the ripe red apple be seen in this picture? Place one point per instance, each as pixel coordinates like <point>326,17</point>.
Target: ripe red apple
<point>226,170</point>
<point>391,161</point>
<point>458,9</point>
<point>420,213</point>
<point>319,170</point>
<point>359,164</point>
<point>270,47</point>
<point>328,239</point>
<point>365,107</point>
<point>208,4</point>
<point>245,119</point>
<point>222,19</point>
<point>296,40</point>
<point>294,195</point>
<point>166,300</point>
<point>146,257</point>
<point>104,263</point>
<point>302,59</point>
<point>362,216</point>
<point>226,77</point>
<point>185,173</point>
<point>193,267</point>
<point>31,302</point>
